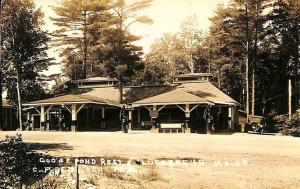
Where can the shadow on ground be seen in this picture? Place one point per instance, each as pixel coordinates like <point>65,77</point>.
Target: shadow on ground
<point>48,146</point>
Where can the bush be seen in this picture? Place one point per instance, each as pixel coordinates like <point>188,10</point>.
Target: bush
<point>17,162</point>
<point>288,126</point>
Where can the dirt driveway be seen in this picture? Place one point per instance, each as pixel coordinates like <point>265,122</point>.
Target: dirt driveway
<point>231,161</point>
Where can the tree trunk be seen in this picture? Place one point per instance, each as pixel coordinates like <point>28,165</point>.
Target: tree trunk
<point>247,59</point>
<point>247,82</point>
<point>19,101</point>
<point>1,76</point>
<point>1,104</point>
<point>85,47</point>
<point>120,86</point>
<point>254,58</point>
<point>290,97</point>
<point>253,93</point>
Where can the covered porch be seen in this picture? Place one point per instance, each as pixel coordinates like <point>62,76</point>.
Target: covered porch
<point>73,113</point>
<point>179,107</point>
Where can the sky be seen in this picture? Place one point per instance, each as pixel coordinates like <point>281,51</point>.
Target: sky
<point>167,16</point>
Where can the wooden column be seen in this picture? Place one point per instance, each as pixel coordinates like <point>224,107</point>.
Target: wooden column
<point>230,118</point>
<point>31,121</point>
<point>6,118</point>
<point>187,118</point>
<point>10,118</point>
<point>154,119</point>
<point>87,117</point>
<point>28,118</point>
<point>139,117</point>
<point>74,118</point>
<point>130,120</point>
<point>42,119</point>
<point>103,117</point>
<point>48,120</point>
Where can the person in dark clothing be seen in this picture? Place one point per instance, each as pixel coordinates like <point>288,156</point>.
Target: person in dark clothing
<point>123,119</point>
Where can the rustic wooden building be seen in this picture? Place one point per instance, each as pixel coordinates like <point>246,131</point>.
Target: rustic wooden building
<point>180,107</point>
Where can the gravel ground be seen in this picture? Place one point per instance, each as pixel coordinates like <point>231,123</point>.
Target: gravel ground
<point>265,161</point>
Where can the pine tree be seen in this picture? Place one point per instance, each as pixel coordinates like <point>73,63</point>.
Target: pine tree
<point>81,25</point>
<point>24,52</point>
<point>125,57</point>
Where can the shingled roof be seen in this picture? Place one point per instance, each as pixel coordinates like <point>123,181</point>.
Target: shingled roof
<point>71,99</point>
<point>172,97</point>
<point>200,92</point>
<point>207,91</point>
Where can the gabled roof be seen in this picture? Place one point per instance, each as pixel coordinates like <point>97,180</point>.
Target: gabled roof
<point>108,94</point>
<point>184,93</point>
<point>70,99</point>
<point>207,91</point>
<point>172,97</point>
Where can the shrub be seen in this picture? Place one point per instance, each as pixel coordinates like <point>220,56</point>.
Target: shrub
<point>17,162</point>
<point>288,126</point>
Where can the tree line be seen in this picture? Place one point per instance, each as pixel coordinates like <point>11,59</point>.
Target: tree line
<point>251,49</point>
<point>93,37</point>
<point>22,54</point>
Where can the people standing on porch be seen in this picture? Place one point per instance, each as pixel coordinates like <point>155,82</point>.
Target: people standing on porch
<point>123,119</point>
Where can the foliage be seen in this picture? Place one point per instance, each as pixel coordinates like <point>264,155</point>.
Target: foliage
<point>261,35</point>
<point>177,53</point>
<point>97,41</point>
<point>24,50</point>
<point>288,126</point>
<point>82,27</point>
<point>17,162</point>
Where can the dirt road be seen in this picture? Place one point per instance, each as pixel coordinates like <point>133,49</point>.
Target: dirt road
<point>243,160</point>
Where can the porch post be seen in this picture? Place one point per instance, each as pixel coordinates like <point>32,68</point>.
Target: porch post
<point>130,120</point>
<point>230,117</point>
<point>87,117</point>
<point>28,118</point>
<point>74,118</point>
<point>6,118</point>
<point>231,121</point>
<point>154,125</point>
<point>187,119</point>
<point>48,121</point>
<point>42,119</point>
<point>10,118</point>
<point>139,117</point>
<point>32,121</point>
<point>103,117</point>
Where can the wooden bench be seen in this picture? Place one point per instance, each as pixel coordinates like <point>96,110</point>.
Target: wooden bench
<point>170,127</point>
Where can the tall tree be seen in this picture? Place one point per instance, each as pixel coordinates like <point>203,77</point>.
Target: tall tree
<point>125,59</point>
<point>1,74</point>
<point>283,34</point>
<point>24,52</point>
<point>177,53</point>
<point>227,49</point>
<point>191,37</point>
<point>81,23</point>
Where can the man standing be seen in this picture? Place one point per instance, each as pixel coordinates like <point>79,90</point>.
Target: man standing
<point>123,119</point>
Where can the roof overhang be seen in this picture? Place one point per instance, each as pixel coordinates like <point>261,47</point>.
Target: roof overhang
<point>169,103</point>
